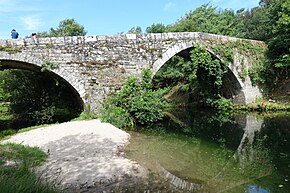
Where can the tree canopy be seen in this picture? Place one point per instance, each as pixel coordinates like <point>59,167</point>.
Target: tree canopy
<point>67,27</point>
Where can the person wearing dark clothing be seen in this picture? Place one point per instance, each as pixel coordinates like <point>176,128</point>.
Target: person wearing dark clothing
<point>34,38</point>
<point>14,34</point>
<point>33,35</point>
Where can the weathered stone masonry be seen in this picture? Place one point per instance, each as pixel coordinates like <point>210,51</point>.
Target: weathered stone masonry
<point>97,65</point>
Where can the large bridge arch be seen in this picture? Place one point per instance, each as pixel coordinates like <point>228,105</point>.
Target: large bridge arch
<point>232,83</point>
<point>26,65</point>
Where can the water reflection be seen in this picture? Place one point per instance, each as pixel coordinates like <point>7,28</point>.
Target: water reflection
<point>256,189</point>
<point>203,152</point>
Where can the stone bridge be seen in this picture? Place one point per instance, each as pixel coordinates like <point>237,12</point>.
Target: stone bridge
<point>94,66</point>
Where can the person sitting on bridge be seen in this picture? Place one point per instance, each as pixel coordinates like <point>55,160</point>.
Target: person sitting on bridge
<point>34,37</point>
<point>14,34</point>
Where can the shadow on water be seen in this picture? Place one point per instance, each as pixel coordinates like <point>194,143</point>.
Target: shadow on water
<point>208,152</point>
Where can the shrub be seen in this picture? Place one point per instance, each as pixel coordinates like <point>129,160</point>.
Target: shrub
<point>135,103</point>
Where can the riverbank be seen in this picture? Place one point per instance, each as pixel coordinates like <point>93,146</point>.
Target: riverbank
<point>84,156</point>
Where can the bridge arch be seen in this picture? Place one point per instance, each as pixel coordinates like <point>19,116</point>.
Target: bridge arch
<point>25,65</point>
<point>232,84</point>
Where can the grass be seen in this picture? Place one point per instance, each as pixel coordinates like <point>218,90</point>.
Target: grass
<point>19,175</point>
<point>6,117</point>
<point>31,155</point>
<point>86,116</point>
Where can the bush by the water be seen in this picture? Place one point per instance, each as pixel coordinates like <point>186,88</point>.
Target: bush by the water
<point>135,103</point>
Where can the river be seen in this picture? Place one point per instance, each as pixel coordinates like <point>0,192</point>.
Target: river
<point>198,151</point>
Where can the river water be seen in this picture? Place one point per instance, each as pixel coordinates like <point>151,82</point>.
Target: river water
<point>197,151</point>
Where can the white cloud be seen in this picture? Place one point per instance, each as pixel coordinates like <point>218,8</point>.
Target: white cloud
<point>31,22</point>
<point>168,6</point>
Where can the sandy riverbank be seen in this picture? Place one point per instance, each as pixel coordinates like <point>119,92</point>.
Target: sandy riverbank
<point>84,156</point>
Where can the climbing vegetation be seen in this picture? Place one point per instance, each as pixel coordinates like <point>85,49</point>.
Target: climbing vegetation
<point>201,75</point>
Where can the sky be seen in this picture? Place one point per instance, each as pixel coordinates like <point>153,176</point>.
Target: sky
<point>100,17</point>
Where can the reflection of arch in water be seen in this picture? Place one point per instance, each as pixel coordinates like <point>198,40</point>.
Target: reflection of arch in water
<point>245,150</point>
<point>247,156</point>
<point>178,182</point>
<point>14,64</point>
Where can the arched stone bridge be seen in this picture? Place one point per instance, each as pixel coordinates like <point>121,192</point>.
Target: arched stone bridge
<point>96,65</point>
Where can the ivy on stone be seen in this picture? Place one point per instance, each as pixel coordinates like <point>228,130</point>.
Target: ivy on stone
<point>48,65</point>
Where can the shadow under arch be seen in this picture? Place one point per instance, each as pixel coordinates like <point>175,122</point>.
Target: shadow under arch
<point>232,84</point>
<point>15,64</point>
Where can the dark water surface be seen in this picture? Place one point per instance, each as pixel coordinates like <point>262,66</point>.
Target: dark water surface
<point>208,152</point>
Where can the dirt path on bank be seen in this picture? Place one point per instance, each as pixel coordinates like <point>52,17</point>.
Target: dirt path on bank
<point>84,156</point>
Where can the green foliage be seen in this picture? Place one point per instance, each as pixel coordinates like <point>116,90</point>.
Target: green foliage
<point>263,106</point>
<point>86,115</point>
<point>279,44</point>
<point>220,104</point>
<point>6,133</point>
<point>48,66</point>
<point>3,95</point>
<point>258,73</point>
<point>256,52</point>
<point>135,30</point>
<point>200,74</point>
<point>259,99</point>
<point>19,177</point>
<point>38,98</point>
<point>10,49</point>
<point>255,23</point>
<point>208,18</point>
<point>225,51</point>
<point>32,155</point>
<point>170,74</point>
<point>135,103</point>
<point>208,70</point>
<point>115,115</point>
<point>268,22</point>
<point>156,28</point>
<point>66,27</point>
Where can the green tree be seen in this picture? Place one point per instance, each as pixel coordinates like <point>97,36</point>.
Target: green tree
<point>67,27</point>
<point>156,28</point>
<point>208,18</point>
<point>135,30</point>
<point>279,44</point>
<point>255,23</point>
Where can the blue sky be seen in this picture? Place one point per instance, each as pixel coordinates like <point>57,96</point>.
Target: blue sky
<point>100,17</point>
